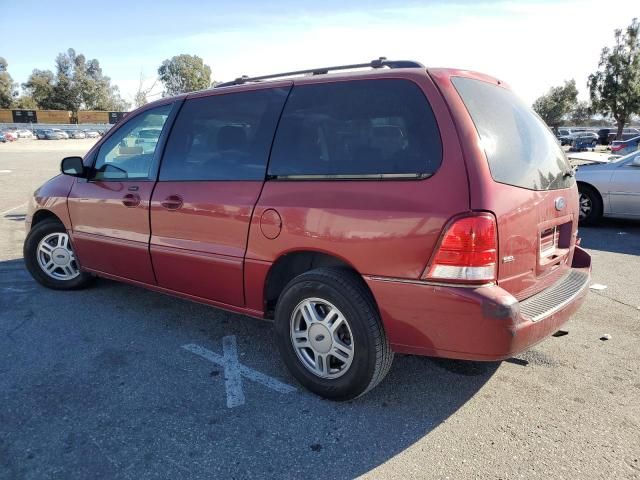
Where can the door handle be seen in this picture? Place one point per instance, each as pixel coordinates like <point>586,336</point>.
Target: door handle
<point>131,200</point>
<point>172,202</point>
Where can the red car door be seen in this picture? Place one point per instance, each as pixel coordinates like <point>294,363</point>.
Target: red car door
<point>210,179</point>
<point>110,211</point>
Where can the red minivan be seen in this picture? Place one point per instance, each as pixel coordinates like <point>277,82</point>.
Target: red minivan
<point>385,208</point>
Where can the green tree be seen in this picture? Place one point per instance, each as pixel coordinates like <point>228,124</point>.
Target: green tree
<point>615,86</point>
<point>554,106</point>
<point>581,113</point>
<point>39,86</point>
<point>77,84</point>
<point>25,102</point>
<point>7,87</point>
<point>184,73</point>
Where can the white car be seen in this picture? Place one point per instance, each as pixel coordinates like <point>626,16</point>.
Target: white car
<point>61,133</point>
<point>24,133</point>
<point>91,134</point>
<point>610,189</point>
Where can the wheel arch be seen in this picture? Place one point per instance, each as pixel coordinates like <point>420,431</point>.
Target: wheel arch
<point>293,263</point>
<point>43,214</point>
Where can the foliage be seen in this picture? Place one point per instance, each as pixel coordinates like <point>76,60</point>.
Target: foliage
<point>581,114</point>
<point>615,87</point>
<point>554,106</point>
<point>25,102</point>
<point>7,86</point>
<point>78,84</point>
<point>184,73</point>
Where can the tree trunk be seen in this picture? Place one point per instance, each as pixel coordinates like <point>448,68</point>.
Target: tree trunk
<point>620,127</point>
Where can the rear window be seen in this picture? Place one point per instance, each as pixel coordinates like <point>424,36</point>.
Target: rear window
<point>356,129</point>
<point>520,149</point>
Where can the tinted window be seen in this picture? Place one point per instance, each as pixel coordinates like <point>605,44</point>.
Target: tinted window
<point>520,149</point>
<point>363,127</point>
<point>223,137</point>
<point>127,154</point>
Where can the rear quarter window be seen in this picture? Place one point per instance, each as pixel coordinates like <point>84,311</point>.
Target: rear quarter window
<point>357,128</point>
<point>519,147</point>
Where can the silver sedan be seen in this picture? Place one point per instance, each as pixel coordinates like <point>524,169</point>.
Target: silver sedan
<point>610,189</point>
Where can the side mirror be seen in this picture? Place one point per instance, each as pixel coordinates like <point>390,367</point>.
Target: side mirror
<point>73,166</point>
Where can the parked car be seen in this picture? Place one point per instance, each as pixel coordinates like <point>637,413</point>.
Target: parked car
<point>584,140</point>
<point>91,134</point>
<point>24,133</point>
<point>627,133</point>
<point>623,147</point>
<point>10,135</point>
<point>75,133</point>
<point>610,189</point>
<point>61,133</point>
<point>3,139</point>
<point>50,134</point>
<point>147,139</point>
<point>277,200</point>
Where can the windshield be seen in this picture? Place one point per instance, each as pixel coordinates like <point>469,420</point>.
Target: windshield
<point>520,148</point>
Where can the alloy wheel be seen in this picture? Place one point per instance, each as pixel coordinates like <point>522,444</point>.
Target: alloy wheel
<point>56,258</point>
<point>322,338</point>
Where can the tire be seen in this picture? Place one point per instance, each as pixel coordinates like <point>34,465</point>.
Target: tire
<point>590,205</point>
<point>65,274</point>
<point>360,330</point>
<point>594,144</point>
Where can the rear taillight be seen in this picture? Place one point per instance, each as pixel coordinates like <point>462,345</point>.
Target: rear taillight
<point>615,148</point>
<point>467,251</point>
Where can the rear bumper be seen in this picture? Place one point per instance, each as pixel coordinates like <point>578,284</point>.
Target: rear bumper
<point>483,323</point>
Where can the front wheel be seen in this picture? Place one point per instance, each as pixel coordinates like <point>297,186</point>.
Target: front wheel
<point>330,335</point>
<point>49,257</point>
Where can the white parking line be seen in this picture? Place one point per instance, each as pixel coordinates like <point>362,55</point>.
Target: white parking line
<point>232,378</point>
<point>234,371</point>
<point>5,171</point>
<point>12,209</point>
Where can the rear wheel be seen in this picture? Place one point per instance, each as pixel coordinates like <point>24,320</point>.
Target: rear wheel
<point>330,335</point>
<point>590,205</point>
<point>49,257</point>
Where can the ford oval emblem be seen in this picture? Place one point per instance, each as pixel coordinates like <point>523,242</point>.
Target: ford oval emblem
<point>560,203</point>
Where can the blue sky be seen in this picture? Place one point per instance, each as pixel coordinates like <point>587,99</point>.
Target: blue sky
<point>530,44</point>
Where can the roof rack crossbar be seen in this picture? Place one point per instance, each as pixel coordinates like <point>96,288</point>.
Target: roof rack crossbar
<point>378,63</point>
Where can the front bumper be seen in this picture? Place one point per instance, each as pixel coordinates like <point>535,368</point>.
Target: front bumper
<point>483,323</point>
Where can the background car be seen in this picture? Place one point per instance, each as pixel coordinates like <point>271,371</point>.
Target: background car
<point>624,147</point>
<point>10,135</point>
<point>76,134</point>
<point>50,134</point>
<point>627,133</point>
<point>3,139</point>
<point>610,189</point>
<point>568,139</point>
<point>61,133</point>
<point>91,134</point>
<point>24,133</point>
<point>584,140</point>
<point>147,139</point>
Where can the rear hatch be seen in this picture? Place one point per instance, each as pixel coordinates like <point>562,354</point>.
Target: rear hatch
<point>522,176</point>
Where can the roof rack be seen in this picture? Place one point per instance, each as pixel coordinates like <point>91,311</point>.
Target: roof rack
<point>379,63</point>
